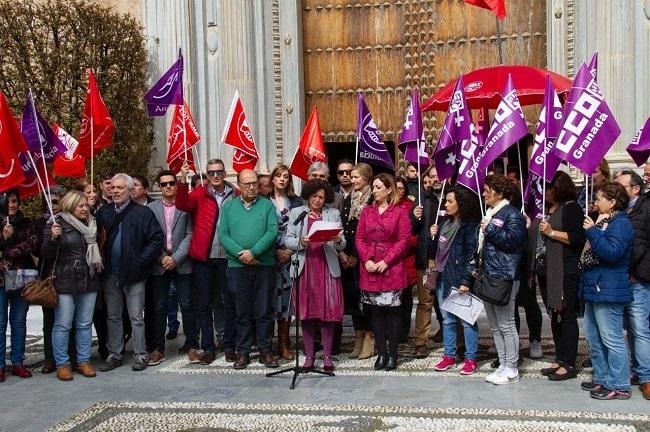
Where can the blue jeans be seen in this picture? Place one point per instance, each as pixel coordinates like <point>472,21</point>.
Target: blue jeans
<point>449,321</point>
<point>17,317</point>
<point>214,295</point>
<point>254,287</point>
<point>604,329</point>
<point>78,308</point>
<point>172,309</point>
<point>636,317</point>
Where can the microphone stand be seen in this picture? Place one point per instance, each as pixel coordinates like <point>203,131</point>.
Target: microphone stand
<point>297,369</point>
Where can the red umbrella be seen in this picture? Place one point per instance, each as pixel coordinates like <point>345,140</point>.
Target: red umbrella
<point>485,85</point>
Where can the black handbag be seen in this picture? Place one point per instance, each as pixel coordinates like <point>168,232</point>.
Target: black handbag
<point>493,290</point>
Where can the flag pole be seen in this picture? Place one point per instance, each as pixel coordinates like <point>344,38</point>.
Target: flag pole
<point>198,163</point>
<point>92,142</point>
<point>442,197</point>
<point>48,196</point>
<point>521,176</point>
<point>478,188</point>
<point>419,173</point>
<point>586,195</point>
<point>544,180</point>
<point>356,153</point>
<point>40,183</point>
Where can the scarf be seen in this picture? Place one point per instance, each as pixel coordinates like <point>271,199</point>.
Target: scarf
<point>448,232</point>
<point>555,263</point>
<point>359,201</point>
<point>589,259</point>
<point>489,214</point>
<point>89,233</point>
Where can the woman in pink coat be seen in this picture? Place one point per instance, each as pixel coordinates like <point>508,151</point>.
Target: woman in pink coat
<point>382,242</point>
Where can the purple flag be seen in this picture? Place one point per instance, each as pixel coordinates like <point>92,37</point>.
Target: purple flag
<point>593,66</point>
<point>469,174</point>
<point>457,128</point>
<point>639,148</point>
<point>548,126</point>
<point>167,91</point>
<point>509,126</point>
<point>411,139</point>
<point>372,149</point>
<point>38,134</point>
<point>589,128</point>
<point>534,196</point>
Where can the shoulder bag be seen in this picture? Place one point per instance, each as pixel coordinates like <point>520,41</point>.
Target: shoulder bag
<point>42,292</point>
<point>490,289</point>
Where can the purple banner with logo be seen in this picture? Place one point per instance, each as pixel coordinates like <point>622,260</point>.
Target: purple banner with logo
<point>411,138</point>
<point>593,66</point>
<point>509,126</point>
<point>39,135</point>
<point>457,128</point>
<point>167,91</point>
<point>534,196</point>
<point>372,149</point>
<point>639,148</point>
<point>548,126</point>
<point>589,128</point>
<point>483,125</point>
<point>469,174</point>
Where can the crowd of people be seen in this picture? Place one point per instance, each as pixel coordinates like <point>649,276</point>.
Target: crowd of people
<point>233,255</point>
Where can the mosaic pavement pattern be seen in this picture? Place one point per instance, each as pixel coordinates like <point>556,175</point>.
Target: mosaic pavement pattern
<point>407,364</point>
<point>33,350</point>
<point>205,417</point>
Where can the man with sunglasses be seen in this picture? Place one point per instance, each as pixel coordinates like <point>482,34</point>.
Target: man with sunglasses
<point>344,176</point>
<point>209,256</point>
<point>248,227</point>
<point>172,266</point>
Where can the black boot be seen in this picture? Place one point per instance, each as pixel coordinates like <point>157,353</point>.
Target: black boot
<point>380,363</point>
<point>391,363</point>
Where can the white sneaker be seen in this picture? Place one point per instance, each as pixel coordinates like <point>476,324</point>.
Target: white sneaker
<point>491,377</point>
<point>507,376</point>
<point>535,350</point>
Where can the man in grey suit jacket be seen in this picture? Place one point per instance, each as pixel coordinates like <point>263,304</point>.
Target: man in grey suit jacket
<point>173,266</point>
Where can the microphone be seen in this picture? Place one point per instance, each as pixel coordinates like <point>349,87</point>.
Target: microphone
<point>300,217</point>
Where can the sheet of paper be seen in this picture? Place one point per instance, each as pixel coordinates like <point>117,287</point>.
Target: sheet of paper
<point>464,306</point>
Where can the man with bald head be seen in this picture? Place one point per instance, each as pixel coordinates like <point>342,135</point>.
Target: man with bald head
<point>248,226</point>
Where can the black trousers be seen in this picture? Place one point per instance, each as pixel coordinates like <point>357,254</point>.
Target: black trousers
<point>527,298</point>
<point>386,323</point>
<point>564,323</point>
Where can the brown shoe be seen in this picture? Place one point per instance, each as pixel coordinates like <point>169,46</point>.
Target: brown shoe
<point>268,360</point>
<point>368,347</point>
<point>284,343</point>
<point>64,373</point>
<point>207,357</point>
<point>421,351</point>
<point>231,356</point>
<point>48,368</point>
<point>155,358</point>
<point>645,390</point>
<point>193,356</point>
<point>87,370</point>
<point>243,360</point>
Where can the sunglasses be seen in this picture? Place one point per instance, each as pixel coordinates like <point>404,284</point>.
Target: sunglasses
<point>216,173</point>
<point>169,183</point>
<point>344,172</point>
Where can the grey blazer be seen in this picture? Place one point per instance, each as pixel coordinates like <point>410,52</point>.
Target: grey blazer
<point>182,226</point>
<point>292,240</point>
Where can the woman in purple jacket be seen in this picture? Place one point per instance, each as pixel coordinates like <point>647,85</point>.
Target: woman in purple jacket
<point>382,241</point>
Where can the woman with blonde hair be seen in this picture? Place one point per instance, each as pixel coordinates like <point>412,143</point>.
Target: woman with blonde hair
<point>364,344</point>
<point>70,244</point>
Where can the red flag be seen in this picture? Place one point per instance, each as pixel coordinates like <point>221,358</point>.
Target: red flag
<point>30,186</point>
<point>498,7</point>
<point>242,161</point>
<point>69,164</point>
<point>310,149</point>
<point>12,143</point>
<point>180,148</point>
<point>97,118</point>
<point>236,132</point>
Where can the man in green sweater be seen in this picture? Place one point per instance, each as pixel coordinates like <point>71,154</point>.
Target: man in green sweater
<point>248,226</point>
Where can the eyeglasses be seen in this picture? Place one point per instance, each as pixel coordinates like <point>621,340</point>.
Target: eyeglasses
<point>169,183</point>
<point>249,185</point>
<point>216,173</point>
<point>343,172</point>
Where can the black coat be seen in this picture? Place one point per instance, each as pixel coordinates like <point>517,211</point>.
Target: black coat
<point>420,228</point>
<point>457,269</point>
<point>142,240</point>
<point>503,246</point>
<point>640,218</point>
<point>71,274</point>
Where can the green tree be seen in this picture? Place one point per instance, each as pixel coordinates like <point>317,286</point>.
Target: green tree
<point>49,45</point>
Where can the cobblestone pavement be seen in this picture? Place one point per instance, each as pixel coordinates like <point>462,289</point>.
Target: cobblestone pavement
<point>175,397</point>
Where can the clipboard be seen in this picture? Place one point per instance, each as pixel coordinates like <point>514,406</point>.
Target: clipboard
<point>321,231</point>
